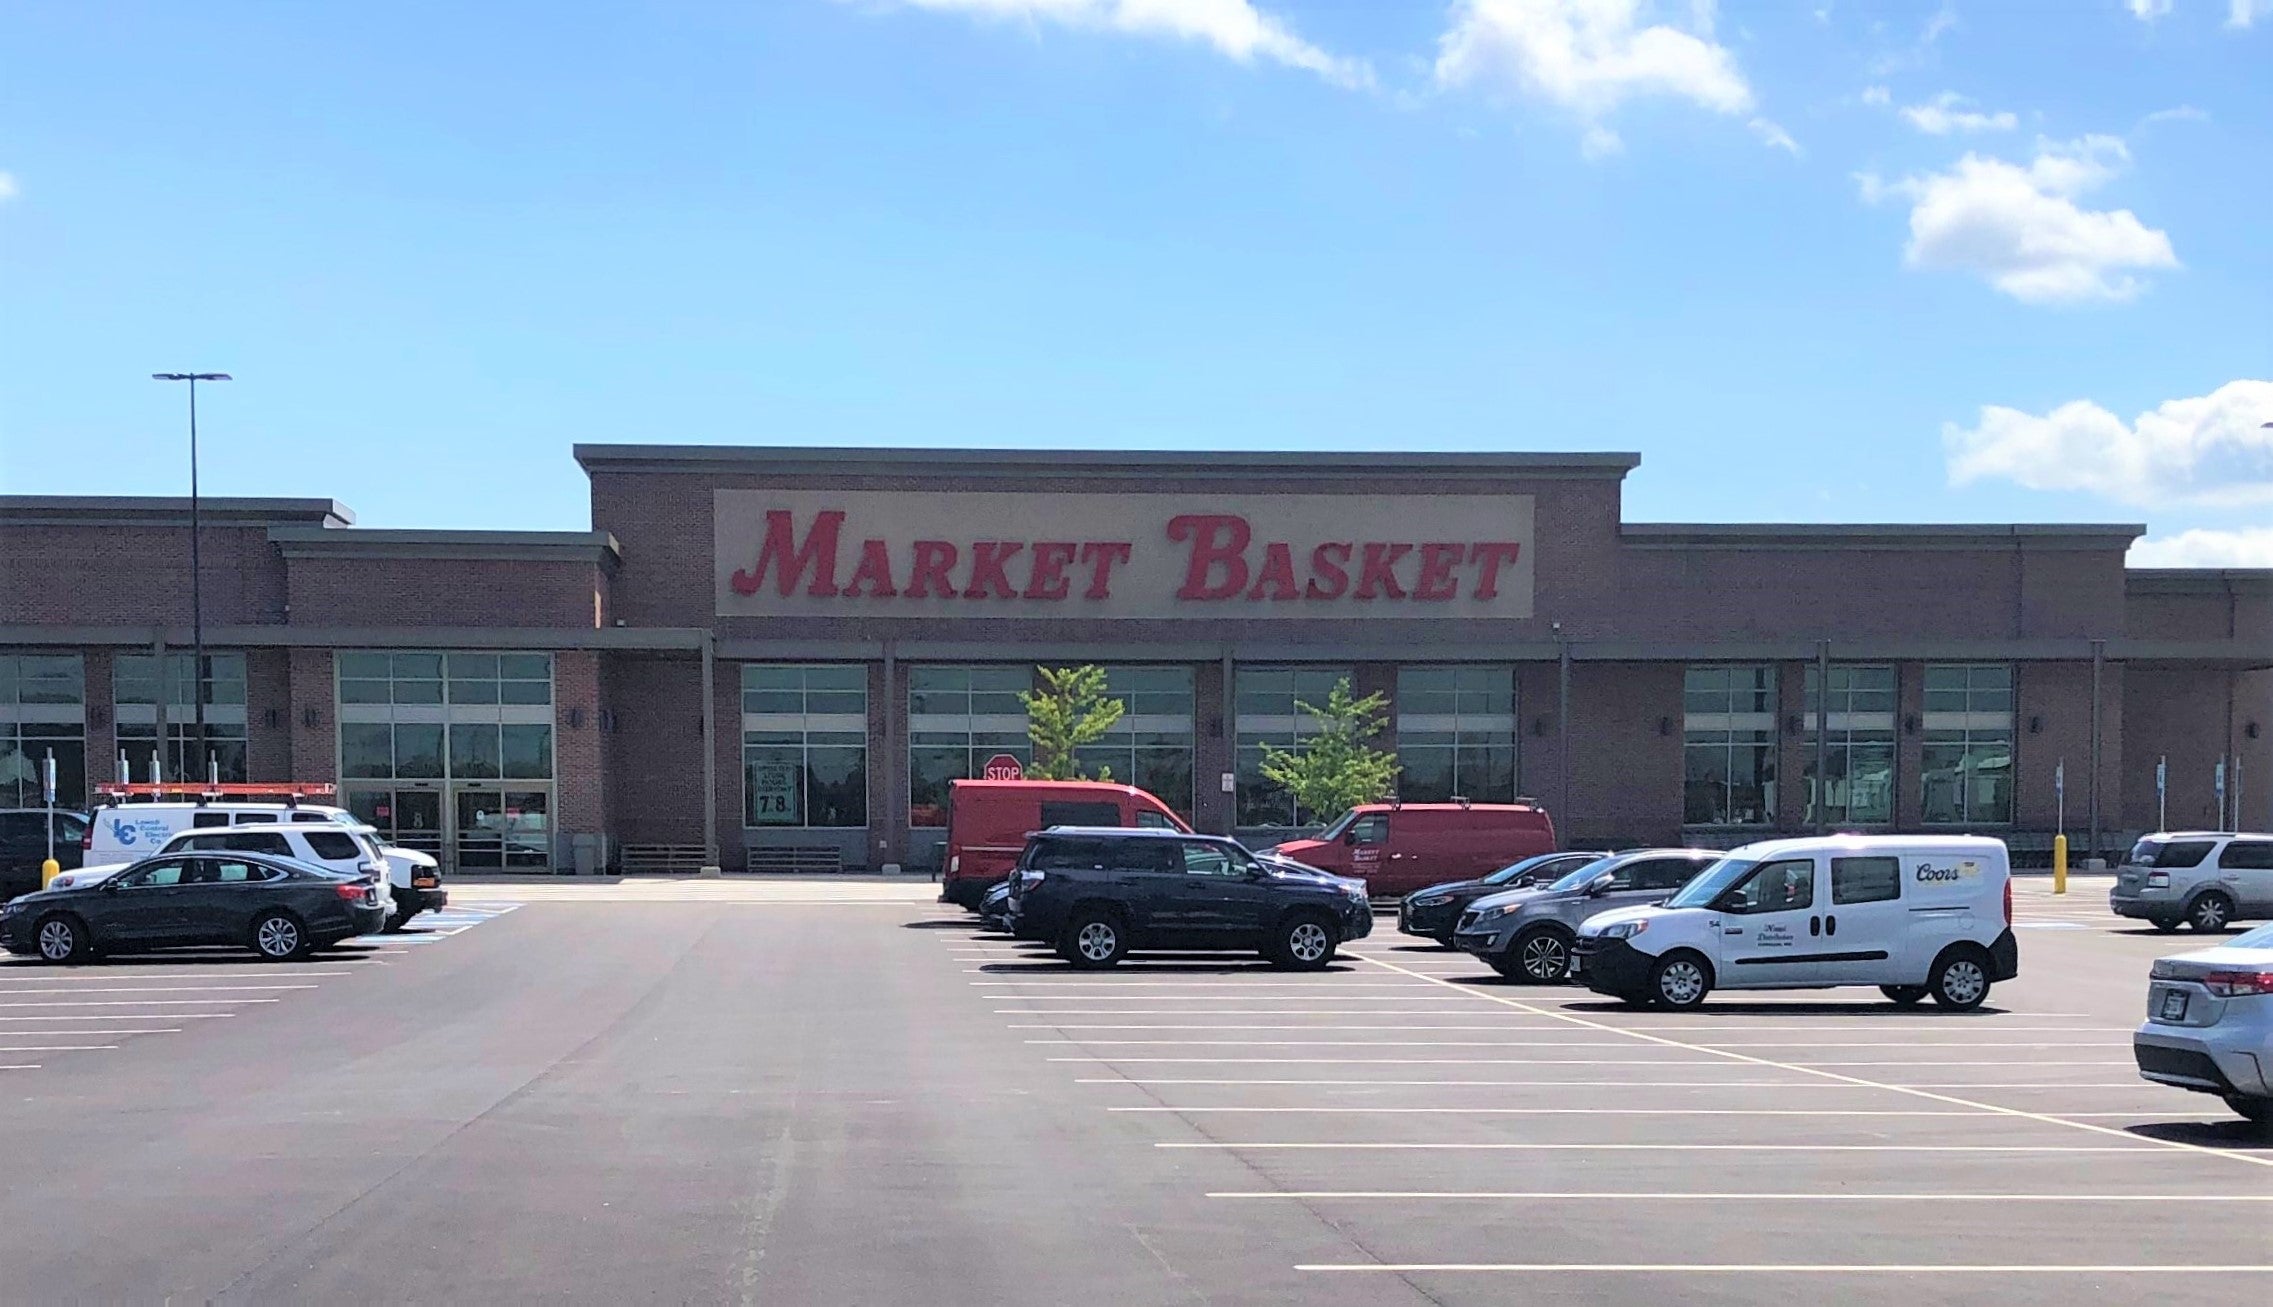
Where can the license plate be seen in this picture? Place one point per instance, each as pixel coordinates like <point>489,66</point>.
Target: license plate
<point>2174,1005</point>
<point>1578,964</point>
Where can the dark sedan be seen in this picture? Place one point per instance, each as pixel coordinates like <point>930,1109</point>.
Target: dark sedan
<point>1434,912</point>
<point>279,908</point>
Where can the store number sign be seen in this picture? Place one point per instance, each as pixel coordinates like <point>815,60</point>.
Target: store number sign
<point>773,793</point>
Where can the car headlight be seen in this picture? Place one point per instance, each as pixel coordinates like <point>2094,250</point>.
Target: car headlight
<point>1433,900</point>
<point>1498,910</point>
<point>1624,929</point>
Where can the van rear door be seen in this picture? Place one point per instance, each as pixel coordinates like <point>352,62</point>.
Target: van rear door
<point>1866,923</point>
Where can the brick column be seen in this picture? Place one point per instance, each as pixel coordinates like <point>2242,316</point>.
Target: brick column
<point>101,762</point>
<point>1795,750</point>
<point>579,788</point>
<point>1910,745</point>
<point>314,698</point>
<point>1214,747</point>
<point>268,689</point>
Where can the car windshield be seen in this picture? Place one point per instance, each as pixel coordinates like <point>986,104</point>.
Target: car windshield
<point>1578,877</point>
<point>1523,868</point>
<point>1340,824</point>
<point>2262,937</point>
<point>1709,883</point>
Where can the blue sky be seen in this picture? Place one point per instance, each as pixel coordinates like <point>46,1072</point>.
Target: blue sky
<point>1817,262</point>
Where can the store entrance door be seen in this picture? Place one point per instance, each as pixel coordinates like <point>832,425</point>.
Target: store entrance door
<point>407,817</point>
<point>497,829</point>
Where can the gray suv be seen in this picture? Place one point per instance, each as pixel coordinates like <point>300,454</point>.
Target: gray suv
<point>2207,879</point>
<point>1526,934</point>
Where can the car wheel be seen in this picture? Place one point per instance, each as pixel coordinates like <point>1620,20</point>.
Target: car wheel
<point>398,919</point>
<point>1095,938</point>
<point>62,938</point>
<point>1960,980</point>
<point>1904,995</point>
<point>279,937</point>
<point>1542,955</point>
<point>2259,1110</point>
<point>2209,913</point>
<point>1680,981</point>
<point>1304,942</point>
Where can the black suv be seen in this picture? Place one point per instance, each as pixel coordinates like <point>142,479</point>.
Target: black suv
<point>1097,892</point>
<point>24,845</point>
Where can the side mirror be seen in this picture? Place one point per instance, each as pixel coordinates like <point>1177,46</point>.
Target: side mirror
<point>1600,885</point>
<point>111,886</point>
<point>1349,836</point>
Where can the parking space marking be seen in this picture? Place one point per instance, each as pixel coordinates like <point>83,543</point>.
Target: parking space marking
<point>1390,1061</point>
<point>2141,1149</point>
<point>157,989</point>
<point>2172,1145</point>
<point>58,1034</point>
<point>101,1016</point>
<point>1227,1012</point>
<point>1546,1043</point>
<point>145,1002</point>
<point>1481,1084</point>
<point>1684,1196</point>
<point>1782,1268</point>
<point>101,975</point>
<point>1557,1111</point>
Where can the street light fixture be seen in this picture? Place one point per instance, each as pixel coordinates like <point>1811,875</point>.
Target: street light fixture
<point>196,573</point>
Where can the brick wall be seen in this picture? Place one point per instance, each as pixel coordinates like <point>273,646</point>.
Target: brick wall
<point>579,783</point>
<point>268,689</point>
<point>110,575</point>
<point>314,748</point>
<point>441,592</point>
<point>653,758</point>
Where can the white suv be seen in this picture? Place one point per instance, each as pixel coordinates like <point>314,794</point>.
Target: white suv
<point>2207,879</point>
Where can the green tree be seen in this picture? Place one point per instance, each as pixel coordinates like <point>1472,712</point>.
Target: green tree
<point>1069,711</point>
<point>1336,768</point>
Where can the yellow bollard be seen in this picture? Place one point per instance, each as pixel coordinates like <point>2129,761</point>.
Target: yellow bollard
<point>2059,864</point>
<point>49,869</point>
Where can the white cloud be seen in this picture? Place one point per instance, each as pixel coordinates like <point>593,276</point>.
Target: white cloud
<point>1946,113</point>
<point>1943,20</point>
<point>1589,57</point>
<point>2180,113</point>
<point>2245,12</point>
<point>1877,95</point>
<point>1775,136</point>
<point>1235,28</point>
<point>2251,546</point>
<point>2211,450</point>
<point>2019,228</point>
<point>2147,11</point>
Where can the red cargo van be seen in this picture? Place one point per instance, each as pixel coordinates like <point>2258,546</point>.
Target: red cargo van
<point>988,822</point>
<point>1398,848</point>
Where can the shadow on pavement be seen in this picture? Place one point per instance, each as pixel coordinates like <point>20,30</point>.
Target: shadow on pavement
<point>2235,1134</point>
<point>202,957</point>
<point>1158,967</point>
<point>1889,1011</point>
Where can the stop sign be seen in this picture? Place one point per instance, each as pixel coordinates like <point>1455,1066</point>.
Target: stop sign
<point>1004,767</point>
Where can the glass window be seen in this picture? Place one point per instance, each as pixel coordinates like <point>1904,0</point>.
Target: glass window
<point>1151,746</point>
<point>1859,751</point>
<point>1210,860</point>
<point>461,715</point>
<point>367,749</point>
<point>1729,745</point>
<point>241,872</point>
<point>1266,702</point>
<point>156,875</point>
<point>42,712</point>
<point>1666,873</point>
<point>2248,855</point>
<point>1370,829</point>
<point>805,745</point>
<point>958,717</point>
<point>1775,887</point>
<point>2175,855</point>
<point>1456,733</point>
<point>333,846</point>
<point>1966,764</point>
<point>1062,854</point>
<point>474,751</point>
<point>135,690</point>
<point>1865,880</point>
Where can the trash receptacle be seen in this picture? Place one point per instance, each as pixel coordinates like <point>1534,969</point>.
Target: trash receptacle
<point>584,854</point>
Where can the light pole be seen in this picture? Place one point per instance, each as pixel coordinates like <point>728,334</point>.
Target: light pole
<point>196,573</point>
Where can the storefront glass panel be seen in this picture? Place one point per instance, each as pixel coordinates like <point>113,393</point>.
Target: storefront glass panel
<point>805,745</point>
<point>135,690</point>
<point>1729,745</point>
<point>1265,700</point>
<point>43,713</point>
<point>1456,734</point>
<point>958,717</point>
<point>1966,765</point>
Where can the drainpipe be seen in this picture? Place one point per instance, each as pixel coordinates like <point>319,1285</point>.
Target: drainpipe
<point>1563,722</point>
<point>710,865</point>
<point>1822,736</point>
<point>2092,859</point>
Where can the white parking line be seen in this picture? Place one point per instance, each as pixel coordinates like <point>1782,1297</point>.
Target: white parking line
<point>101,975</point>
<point>2173,1145</point>
<point>145,1002</point>
<point>160,989</point>
<point>21,1066</point>
<point>1390,1061</point>
<point>54,1048</point>
<point>1685,1196</point>
<point>113,1016</point>
<point>2142,1149</point>
<point>130,1030</point>
<point>1932,1063</point>
<point>1520,1043</point>
<point>1778,1268</point>
<point>1556,1111</point>
<point>1442,1008</point>
<point>1610,1084</point>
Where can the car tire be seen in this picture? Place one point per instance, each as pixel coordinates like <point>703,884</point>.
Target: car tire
<point>1960,980</point>
<point>2259,1110</point>
<point>1304,941</point>
<point>2210,913</point>
<point>1094,939</point>
<point>1541,955</point>
<point>398,919</point>
<point>1680,980</point>
<point>1904,995</point>
<point>62,939</point>
<point>278,936</point>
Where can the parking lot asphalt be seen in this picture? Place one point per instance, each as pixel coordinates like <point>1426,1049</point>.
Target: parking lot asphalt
<point>809,1100</point>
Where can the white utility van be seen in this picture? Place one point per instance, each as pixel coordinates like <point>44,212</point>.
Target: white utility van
<point>1913,915</point>
<point>119,834</point>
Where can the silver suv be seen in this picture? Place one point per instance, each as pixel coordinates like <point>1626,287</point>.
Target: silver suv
<point>1526,934</point>
<point>2207,879</point>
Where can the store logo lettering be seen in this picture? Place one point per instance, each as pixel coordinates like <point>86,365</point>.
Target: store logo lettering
<point>1222,561</point>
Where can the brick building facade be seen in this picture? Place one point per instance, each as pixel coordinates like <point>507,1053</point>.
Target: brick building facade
<point>775,659</point>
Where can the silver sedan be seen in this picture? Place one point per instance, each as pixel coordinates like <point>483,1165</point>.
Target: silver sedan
<point>2209,1025</point>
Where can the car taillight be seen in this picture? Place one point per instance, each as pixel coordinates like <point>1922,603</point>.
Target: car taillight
<point>954,864</point>
<point>2008,902</point>
<point>2238,984</point>
<point>353,893</point>
<point>87,838</point>
<point>2158,880</point>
